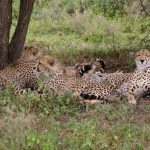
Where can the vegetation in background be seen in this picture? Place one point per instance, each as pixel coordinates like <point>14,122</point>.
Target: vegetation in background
<point>92,28</point>
<point>74,31</point>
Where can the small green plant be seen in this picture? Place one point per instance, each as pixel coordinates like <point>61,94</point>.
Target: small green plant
<point>43,141</point>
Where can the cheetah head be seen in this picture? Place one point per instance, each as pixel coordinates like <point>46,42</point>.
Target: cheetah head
<point>31,53</point>
<point>48,66</point>
<point>142,58</point>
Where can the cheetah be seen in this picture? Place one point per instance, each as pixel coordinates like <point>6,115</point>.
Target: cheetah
<point>24,74</point>
<point>128,81</point>
<point>134,82</point>
<point>87,71</point>
<point>142,59</point>
<point>89,68</point>
<point>139,84</point>
<point>105,90</point>
<point>131,85</point>
<point>60,82</point>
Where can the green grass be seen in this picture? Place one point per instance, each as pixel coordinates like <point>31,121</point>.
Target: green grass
<point>45,122</point>
<point>91,33</point>
<point>59,122</point>
<point>63,30</point>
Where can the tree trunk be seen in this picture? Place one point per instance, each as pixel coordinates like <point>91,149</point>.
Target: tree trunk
<point>18,39</point>
<point>144,8</point>
<point>5,24</point>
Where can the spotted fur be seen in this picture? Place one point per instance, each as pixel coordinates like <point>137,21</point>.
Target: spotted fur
<point>139,84</point>
<point>24,74</point>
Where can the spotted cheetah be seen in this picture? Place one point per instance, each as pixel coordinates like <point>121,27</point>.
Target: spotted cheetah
<point>62,82</point>
<point>139,84</point>
<point>142,59</point>
<point>128,81</point>
<point>105,90</point>
<point>24,74</point>
<point>90,71</point>
<point>131,85</point>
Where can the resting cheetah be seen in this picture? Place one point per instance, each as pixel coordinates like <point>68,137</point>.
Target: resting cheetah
<point>24,74</point>
<point>92,71</point>
<point>87,71</point>
<point>105,90</point>
<point>61,82</point>
<point>139,84</point>
<point>132,85</point>
<point>142,59</point>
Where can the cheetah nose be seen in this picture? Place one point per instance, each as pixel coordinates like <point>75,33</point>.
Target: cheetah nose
<point>142,61</point>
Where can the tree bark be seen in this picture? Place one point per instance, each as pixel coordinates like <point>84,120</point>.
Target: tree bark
<point>5,24</point>
<point>144,8</point>
<point>18,39</point>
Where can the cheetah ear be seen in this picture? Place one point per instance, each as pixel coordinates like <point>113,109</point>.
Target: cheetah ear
<point>132,53</point>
